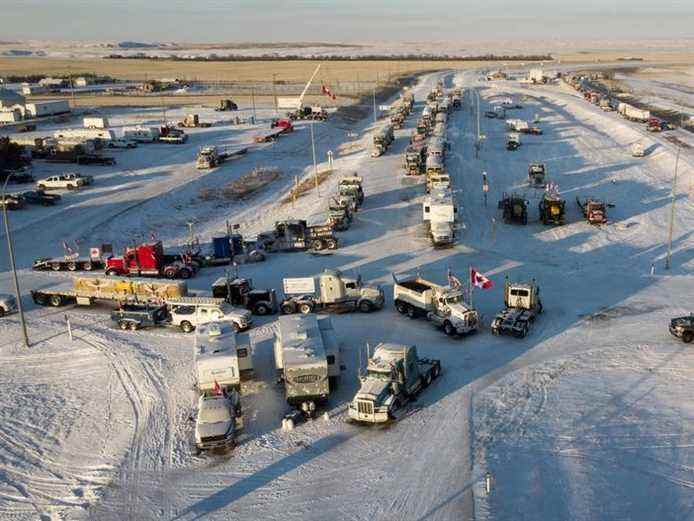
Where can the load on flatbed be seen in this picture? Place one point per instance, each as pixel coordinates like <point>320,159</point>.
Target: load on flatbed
<point>442,305</point>
<point>523,304</point>
<point>394,375</point>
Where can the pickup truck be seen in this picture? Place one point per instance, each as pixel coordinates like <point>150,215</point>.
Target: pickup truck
<point>8,304</point>
<point>40,197</point>
<point>122,143</point>
<point>218,421</point>
<point>70,181</point>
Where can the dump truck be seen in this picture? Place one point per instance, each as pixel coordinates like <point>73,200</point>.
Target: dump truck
<point>296,235</point>
<point>239,291</point>
<point>552,209</point>
<point>594,210</point>
<point>339,214</point>
<point>85,291</point>
<point>149,260</point>
<point>330,289</point>
<point>444,306</point>
<point>193,121</point>
<point>307,360</point>
<point>537,175</point>
<point>223,357</point>
<point>514,209</point>
<point>226,105</point>
<point>394,375</point>
<point>523,304</point>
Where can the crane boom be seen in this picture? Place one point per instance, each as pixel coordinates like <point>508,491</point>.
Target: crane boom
<point>301,98</point>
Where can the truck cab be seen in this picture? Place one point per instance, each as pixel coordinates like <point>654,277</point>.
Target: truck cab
<point>218,421</point>
<point>148,260</point>
<point>522,296</point>
<point>190,312</point>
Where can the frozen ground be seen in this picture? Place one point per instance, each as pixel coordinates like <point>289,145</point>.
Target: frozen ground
<point>583,419</point>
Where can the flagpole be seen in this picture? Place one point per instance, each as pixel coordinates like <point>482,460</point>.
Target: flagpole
<point>469,281</point>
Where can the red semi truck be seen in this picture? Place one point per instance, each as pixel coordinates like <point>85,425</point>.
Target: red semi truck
<point>149,260</point>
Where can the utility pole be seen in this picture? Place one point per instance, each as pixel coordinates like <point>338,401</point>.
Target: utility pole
<point>10,251</point>
<point>668,259</point>
<point>374,103</point>
<point>253,102</point>
<point>274,90</point>
<point>315,164</point>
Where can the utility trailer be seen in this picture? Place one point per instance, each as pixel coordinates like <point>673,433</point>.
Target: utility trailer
<point>442,305</point>
<point>73,262</point>
<point>330,289</point>
<point>523,305</point>
<point>394,375</point>
<point>307,360</point>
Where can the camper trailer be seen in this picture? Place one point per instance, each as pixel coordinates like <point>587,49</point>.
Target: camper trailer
<point>222,357</point>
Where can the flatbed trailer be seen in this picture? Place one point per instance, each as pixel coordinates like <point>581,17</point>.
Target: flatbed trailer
<point>68,264</point>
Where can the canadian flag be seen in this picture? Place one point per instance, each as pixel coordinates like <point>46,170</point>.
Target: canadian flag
<point>217,388</point>
<point>326,90</point>
<point>478,280</point>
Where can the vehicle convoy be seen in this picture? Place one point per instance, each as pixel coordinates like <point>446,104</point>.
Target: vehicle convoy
<point>296,235</point>
<point>307,359</point>
<point>523,304</point>
<point>439,212</point>
<point>683,328</point>
<point>149,260</point>
<point>73,262</point>
<point>8,304</point>
<point>537,175</point>
<point>514,209</point>
<point>394,376</point>
<point>240,292</point>
<point>552,209</point>
<point>88,290</point>
<point>330,289</point>
<point>382,140</point>
<point>71,181</point>
<point>594,210</point>
<point>443,305</point>
<point>193,121</point>
<point>222,357</point>
<point>218,421</point>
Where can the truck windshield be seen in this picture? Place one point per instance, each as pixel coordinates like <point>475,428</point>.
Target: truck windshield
<point>214,414</point>
<point>379,375</point>
<point>454,299</point>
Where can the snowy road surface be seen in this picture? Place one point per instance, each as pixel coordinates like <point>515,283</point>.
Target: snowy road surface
<point>590,410</point>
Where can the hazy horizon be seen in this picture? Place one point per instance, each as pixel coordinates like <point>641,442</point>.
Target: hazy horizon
<point>216,21</point>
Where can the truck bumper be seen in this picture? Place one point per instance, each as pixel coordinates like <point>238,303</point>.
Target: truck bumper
<point>211,445</point>
<point>376,417</point>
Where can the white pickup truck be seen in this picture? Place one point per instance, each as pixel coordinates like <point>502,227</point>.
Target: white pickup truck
<point>71,181</point>
<point>218,421</point>
<point>190,312</point>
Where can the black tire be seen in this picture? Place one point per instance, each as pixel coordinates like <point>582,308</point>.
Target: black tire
<point>72,266</point>
<point>71,187</point>
<point>185,273</point>
<point>288,308</point>
<point>41,187</point>
<point>111,273</point>
<point>331,244</point>
<point>123,325</point>
<point>305,308</point>
<point>687,337</point>
<point>187,327</point>
<point>261,309</point>
<point>411,312</point>
<point>365,306</point>
<point>134,326</point>
<point>88,266</point>
<point>40,299</point>
<point>435,372</point>
<point>56,266</point>
<point>427,379</point>
<point>524,331</point>
<point>317,245</point>
<point>236,327</point>
<point>56,301</point>
<point>401,307</point>
<point>170,274</point>
<point>448,328</point>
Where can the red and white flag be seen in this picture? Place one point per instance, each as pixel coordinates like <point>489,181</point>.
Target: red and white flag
<point>326,90</point>
<point>478,280</point>
<point>217,388</point>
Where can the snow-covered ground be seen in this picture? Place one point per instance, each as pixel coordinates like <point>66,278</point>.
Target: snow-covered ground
<point>584,419</point>
<point>663,87</point>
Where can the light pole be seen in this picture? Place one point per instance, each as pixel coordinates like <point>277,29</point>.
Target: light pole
<point>668,259</point>
<point>315,164</point>
<point>10,250</point>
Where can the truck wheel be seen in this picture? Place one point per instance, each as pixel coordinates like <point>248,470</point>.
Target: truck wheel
<point>317,245</point>
<point>448,328</point>
<point>365,306</point>
<point>687,337</point>
<point>123,325</point>
<point>187,327</point>
<point>184,273</point>
<point>170,274</point>
<point>56,301</point>
<point>401,307</point>
<point>261,309</point>
<point>41,187</point>
<point>411,312</point>
<point>40,299</point>
<point>305,308</point>
<point>71,187</point>
<point>72,266</point>
<point>288,308</point>
<point>331,244</point>
<point>427,379</point>
<point>236,326</point>
<point>56,266</point>
<point>523,331</point>
<point>134,326</point>
<point>2,312</point>
<point>111,273</point>
<point>435,372</point>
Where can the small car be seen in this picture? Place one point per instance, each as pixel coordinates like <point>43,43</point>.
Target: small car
<point>40,197</point>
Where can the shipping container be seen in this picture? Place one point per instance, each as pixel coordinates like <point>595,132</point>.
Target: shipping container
<point>47,108</point>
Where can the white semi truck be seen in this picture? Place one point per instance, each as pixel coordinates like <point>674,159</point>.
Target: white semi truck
<point>445,306</point>
<point>523,304</point>
<point>394,375</point>
<point>307,359</point>
<point>439,212</point>
<point>632,113</point>
<point>329,289</point>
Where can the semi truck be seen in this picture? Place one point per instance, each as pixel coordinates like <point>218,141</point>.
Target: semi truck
<point>439,212</point>
<point>523,305</point>
<point>307,360</point>
<point>444,306</point>
<point>632,113</point>
<point>330,289</point>
<point>240,292</point>
<point>149,260</point>
<point>394,375</point>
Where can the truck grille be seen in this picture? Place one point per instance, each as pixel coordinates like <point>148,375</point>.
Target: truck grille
<point>211,439</point>
<point>365,407</point>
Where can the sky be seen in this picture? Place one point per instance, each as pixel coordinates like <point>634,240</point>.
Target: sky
<point>351,21</point>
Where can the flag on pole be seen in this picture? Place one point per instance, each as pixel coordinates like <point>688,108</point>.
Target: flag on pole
<point>453,281</point>
<point>326,90</point>
<point>478,280</point>
<point>217,388</point>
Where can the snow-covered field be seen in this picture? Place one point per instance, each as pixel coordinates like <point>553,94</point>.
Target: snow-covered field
<point>589,417</point>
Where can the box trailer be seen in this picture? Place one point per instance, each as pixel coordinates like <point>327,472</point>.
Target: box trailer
<point>47,108</point>
<point>84,134</point>
<point>141,134</point>
<point>95,122</point>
